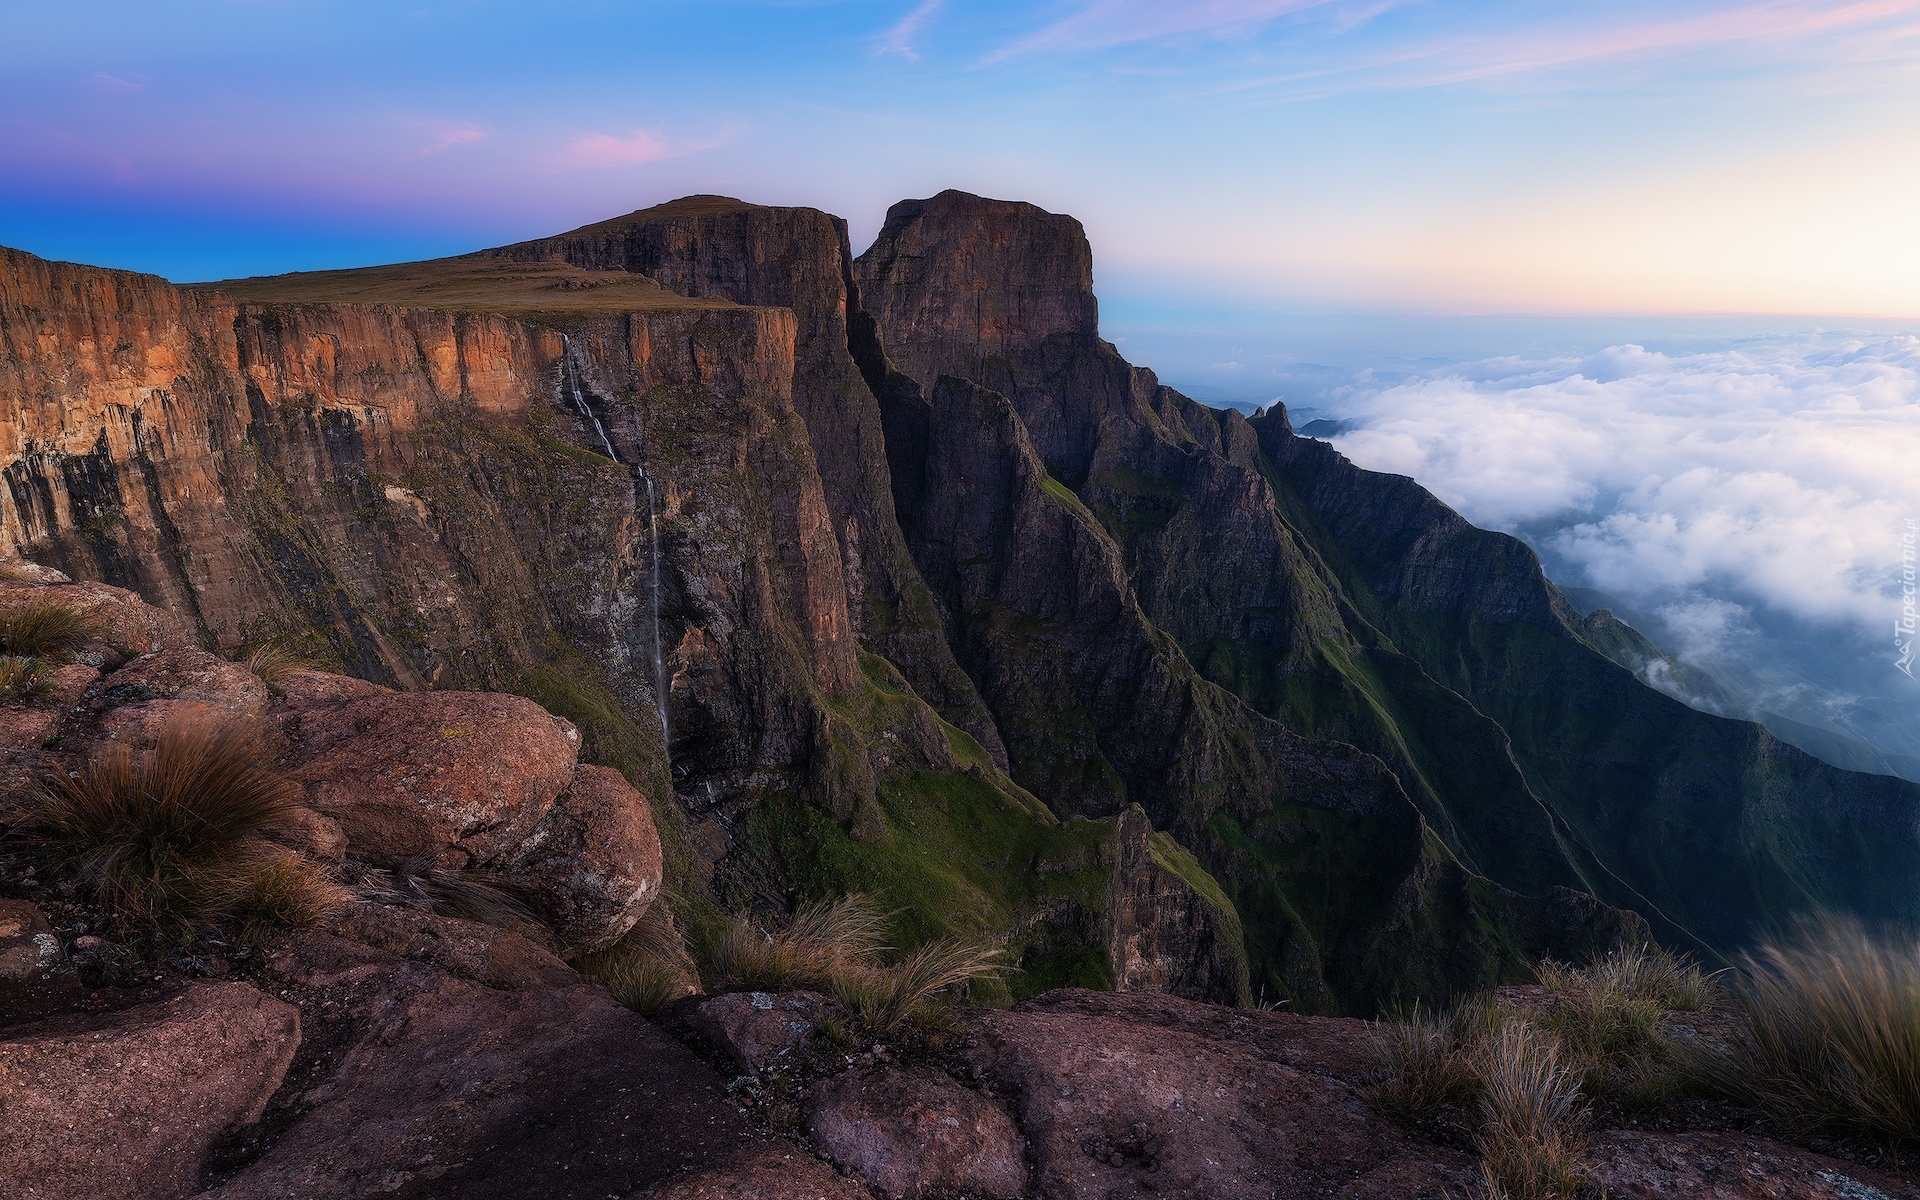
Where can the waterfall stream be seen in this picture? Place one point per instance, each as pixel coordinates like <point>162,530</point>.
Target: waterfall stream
<point>570,380</point>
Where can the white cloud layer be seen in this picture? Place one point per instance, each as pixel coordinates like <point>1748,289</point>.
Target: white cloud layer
<point>1750,497</point>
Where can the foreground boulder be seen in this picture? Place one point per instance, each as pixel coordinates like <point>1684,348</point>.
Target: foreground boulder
<point>127,1106</point>
<point>1124,1096</point>
<point>456,780</point>
<point>453,777</point>
<point>448,1087</point>
<point>914,1133</point>
<point>592,863</point>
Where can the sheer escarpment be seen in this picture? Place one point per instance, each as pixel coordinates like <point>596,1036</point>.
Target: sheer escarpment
<point>588,507</point>
<point>888,575</point>
<point>1354,606</point>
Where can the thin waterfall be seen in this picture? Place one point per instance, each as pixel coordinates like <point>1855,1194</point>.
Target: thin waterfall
<point>570,380</point>
<point>659,659</point>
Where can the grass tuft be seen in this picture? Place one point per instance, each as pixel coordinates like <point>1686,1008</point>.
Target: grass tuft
<point>1673,982</point>
<point>1533,1120</point>
<point>44,627</point>
<point>817,945</point>
<point>274,661</point>
<point>1832,1033</point>
<point>836,947</point>
<point>649,968</point>
<point>886,998</point>
<point>1607,1016</point>
<point>23,680</point>
<point>1423,1060</point>
<point>282,889</point>
<point>160,839</point>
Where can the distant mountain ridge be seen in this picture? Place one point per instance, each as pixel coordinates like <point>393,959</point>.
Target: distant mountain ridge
<point>952,601</point>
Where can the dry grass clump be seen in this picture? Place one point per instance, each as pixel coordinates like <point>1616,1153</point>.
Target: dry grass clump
<point>45,627</point>
<point>23,680</point>
<point>812,949</point>
<point>1833,1033</point>
<point>837,948</point>
<point>274,661</point>
<point>649,968</point>
<point>282,889</point>
<point>1533,1069</point>
<point>1423,1061</point>
<point>1673,982</point>
<point>1608,1015</point>
<point>1533,1120</point>
<point>886,998</point>
<point>174,837</point>
<point>470,895</point>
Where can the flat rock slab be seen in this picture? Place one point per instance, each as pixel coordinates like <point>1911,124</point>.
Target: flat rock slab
<point>914,1133</point>
<point>1729,1166</point>
<point>457,1090</point>
<point>1114,1108</point>
<point>759,1028</point>
<point>125,1106</point>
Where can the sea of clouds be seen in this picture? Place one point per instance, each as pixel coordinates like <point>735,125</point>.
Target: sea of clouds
<point>1748,500</point>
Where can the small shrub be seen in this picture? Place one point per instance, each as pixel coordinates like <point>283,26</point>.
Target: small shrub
<point>1533,1121</point>
<point>1424,1060</point>
<point>1833,1033</point>
<point>160,839</point>
<point>45,627</point>
<point>886,998</point>
<point>23,680</point>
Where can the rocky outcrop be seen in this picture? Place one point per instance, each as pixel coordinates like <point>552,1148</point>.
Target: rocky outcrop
<point>1115,1106</point>
<point>127,1107</point>
<point>911,1133</point>
<point>1168,926</point>
<point>798,259</point>
<point>1355,607</point>
<point>760,1029</point>
<point>451,1087</point>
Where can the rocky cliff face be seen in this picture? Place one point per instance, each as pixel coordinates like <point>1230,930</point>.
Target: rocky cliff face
<point>1355,607</point>
<point>892,575</point>
<point>622,515</point>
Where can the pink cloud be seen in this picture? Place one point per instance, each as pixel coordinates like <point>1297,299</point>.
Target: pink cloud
<point>454,135</point>
<point>598,151</point>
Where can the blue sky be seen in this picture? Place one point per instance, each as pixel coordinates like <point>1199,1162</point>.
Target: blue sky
<point>1437,157</point>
